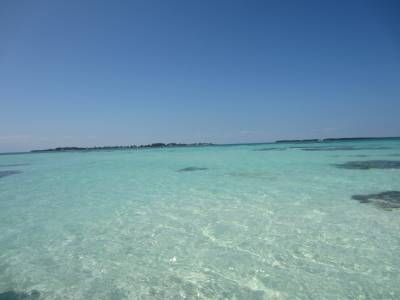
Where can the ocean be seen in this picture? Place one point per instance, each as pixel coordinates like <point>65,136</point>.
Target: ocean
<point>257,221</point>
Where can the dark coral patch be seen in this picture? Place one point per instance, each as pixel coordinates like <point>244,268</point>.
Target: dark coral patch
<point>191,169</point>
<point>12,295</point>
<point>387,200</point>
<point>340,148</point>
<point>9,173</point>
<point>13,165</point>
<point>370,164</point>
<point>328,149</point>
<point>270,149</point>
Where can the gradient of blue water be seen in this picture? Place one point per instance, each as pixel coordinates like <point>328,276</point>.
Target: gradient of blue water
<point>254,225</point>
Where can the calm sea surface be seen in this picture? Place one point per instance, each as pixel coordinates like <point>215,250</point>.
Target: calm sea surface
<point>272,221</point>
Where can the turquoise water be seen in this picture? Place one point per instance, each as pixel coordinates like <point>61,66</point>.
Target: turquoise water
<point>246,225</point>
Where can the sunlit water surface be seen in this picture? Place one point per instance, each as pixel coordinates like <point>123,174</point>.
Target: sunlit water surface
<point>222,222</point>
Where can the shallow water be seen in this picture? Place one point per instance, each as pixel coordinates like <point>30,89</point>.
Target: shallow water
<point>244,225</point>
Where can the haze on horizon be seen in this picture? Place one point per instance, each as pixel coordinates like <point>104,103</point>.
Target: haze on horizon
<point>87,73</point>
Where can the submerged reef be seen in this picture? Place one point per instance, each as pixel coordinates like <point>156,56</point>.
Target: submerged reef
<point>327,148</point>
<point>12,295</point>
<point>13,165</point>
<point>9,173</point>
<point>190,169</point>
<point>341,148</point>
<point>370,164</point>
<point>387,200</point>
<point>251,174</point>
<point>270,149</point>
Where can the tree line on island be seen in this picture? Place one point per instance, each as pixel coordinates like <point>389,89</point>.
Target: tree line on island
<point>349,139</point>
<point>163,145</point>
<point>153,145</point>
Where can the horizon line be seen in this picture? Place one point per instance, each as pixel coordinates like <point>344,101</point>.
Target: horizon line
<point>198,144</point>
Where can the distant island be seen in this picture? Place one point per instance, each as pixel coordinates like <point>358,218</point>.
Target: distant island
<point>299,141</point>
<point>337,139</point>
<point>172,145</point>
<point>154,145</point>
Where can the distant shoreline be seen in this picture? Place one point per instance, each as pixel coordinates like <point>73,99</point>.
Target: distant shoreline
<point>180,145</point>
<point>153,145</point>
<point>177,145</point>
<point>349,139</point>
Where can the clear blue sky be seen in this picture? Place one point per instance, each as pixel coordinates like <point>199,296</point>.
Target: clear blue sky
<point>90,73</point>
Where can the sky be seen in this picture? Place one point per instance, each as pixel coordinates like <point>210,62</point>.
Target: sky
<point>86,73</point>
